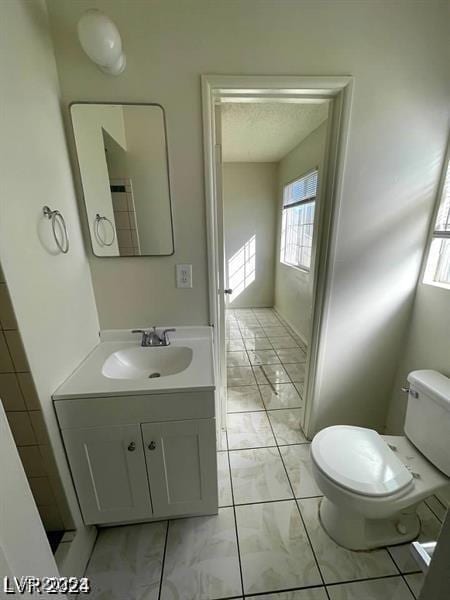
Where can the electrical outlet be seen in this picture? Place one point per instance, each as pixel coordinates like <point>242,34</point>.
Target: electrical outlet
<point>184,276</point>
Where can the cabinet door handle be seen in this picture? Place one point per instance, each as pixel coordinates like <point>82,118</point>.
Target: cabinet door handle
<point>131,447</point>
<point>152,446</point>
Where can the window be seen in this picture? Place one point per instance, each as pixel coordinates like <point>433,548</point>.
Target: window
<point>438,265</point>
<point>299,200</point>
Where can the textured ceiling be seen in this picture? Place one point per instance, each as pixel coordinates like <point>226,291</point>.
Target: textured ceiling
<point>265,132</point>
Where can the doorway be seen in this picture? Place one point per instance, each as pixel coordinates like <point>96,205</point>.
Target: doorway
<point>220,91</point>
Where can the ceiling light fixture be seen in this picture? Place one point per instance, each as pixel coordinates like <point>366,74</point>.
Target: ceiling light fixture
<point>100,39</point>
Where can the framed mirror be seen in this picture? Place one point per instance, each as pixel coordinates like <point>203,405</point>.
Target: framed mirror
<point>123,161</point>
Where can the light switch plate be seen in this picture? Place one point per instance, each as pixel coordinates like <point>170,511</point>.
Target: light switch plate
<point>184,276</point>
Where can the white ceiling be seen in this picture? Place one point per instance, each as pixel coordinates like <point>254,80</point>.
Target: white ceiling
<point>265,132</point>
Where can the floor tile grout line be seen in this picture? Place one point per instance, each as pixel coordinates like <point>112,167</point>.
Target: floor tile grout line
<point>243,412</point>
<point>287,407</point>
<point>235,519</point>
<point>403,576</point>
<point>439,501</point>
<point>396,565</point>
<point>279,500</point>
<point>284,467</point>
<point>399,572</point>
<point>299,512</point>
<point>296,503</point>
<point>256,381</point>
<point>230,598</point>
<point>392,559</point>
<point>429,507</point>
<point>347,581</point>
<point>92,553</point>
<point>286,591</point>
<point>248,385</point>
<point>163,561</point>
<point>325,586</point>
<point>270,446</point>
<point>290,381</point>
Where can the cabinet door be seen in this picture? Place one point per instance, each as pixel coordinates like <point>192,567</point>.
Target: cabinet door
<point>108,468</point>
<point>182,468</point>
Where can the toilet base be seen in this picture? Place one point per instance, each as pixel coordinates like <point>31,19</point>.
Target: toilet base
<point>353,531</point>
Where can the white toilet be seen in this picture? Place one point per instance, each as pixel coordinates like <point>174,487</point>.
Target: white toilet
<point>372,483</point>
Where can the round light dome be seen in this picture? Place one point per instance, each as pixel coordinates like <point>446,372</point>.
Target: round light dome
<point>100,39</point>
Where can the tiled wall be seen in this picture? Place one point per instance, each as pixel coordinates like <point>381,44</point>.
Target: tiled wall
<point>20,401</point>
<point>125,218</point>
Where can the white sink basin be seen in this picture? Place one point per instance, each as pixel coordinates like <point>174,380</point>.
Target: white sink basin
<point>118,366</point>
<point>147,363</point>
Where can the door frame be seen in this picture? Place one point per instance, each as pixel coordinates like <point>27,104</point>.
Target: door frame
<point>256,88</point>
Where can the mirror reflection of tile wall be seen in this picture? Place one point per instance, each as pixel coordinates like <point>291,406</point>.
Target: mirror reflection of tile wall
<point>125,217</point>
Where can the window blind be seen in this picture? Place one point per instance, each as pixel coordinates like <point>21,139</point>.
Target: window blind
<point>302,190</point>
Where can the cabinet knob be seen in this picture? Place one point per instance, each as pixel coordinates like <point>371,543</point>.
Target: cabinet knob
<point>131,447</point>
<point>152,446</point>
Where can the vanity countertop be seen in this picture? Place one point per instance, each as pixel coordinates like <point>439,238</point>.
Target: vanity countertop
<point>88,380</point>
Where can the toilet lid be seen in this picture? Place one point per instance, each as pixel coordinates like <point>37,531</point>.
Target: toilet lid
<point>359,460</point>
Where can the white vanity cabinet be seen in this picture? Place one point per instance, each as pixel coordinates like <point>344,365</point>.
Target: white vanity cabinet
<point>155,467</point>
<point>109,472</point>
<point>180,465</point>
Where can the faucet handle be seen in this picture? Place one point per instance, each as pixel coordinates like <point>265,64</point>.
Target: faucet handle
<point>164,335</point>
<point>144,330</point>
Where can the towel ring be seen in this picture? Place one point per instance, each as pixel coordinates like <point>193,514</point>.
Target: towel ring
<point>56,217</point>
<point>98,220</point>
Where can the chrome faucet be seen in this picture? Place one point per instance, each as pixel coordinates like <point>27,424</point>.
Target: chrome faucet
<point>150,337</point>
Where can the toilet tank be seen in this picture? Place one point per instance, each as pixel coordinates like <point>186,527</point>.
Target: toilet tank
<point>427,423</point>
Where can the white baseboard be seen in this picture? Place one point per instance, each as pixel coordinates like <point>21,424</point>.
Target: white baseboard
<point>237,306</point>
<point>291,326</point>
<point>72,556</point>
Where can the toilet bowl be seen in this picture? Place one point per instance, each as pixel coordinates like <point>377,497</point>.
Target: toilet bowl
<point>372,484</point>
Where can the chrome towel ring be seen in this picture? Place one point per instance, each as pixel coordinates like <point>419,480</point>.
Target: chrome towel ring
<point>100,239</point>
<point>58,220</point>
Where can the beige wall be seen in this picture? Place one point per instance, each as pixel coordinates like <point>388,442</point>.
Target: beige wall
<point>396,52</point>
<point>426,346</point>
<point>51,293</point>
<point>294,287</point>
<point>249,206</point>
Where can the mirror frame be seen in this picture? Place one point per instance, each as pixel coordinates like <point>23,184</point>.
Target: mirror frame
<point>83,197</point>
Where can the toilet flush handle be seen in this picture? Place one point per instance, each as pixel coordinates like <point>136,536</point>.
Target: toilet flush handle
<point>408,390</point>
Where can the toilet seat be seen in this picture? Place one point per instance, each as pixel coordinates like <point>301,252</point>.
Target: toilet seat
<point>359,460</point>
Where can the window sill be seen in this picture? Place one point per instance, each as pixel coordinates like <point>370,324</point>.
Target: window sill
<point>438,284</point>
<point>298,269</point>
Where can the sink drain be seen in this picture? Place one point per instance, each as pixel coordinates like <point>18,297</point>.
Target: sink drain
<point>154,375</point>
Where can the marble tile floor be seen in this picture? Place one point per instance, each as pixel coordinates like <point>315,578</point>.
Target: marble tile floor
<point>266,543</point>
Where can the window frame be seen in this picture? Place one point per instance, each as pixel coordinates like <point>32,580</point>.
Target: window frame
<point>433,255</point>
<point>311,199</point>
